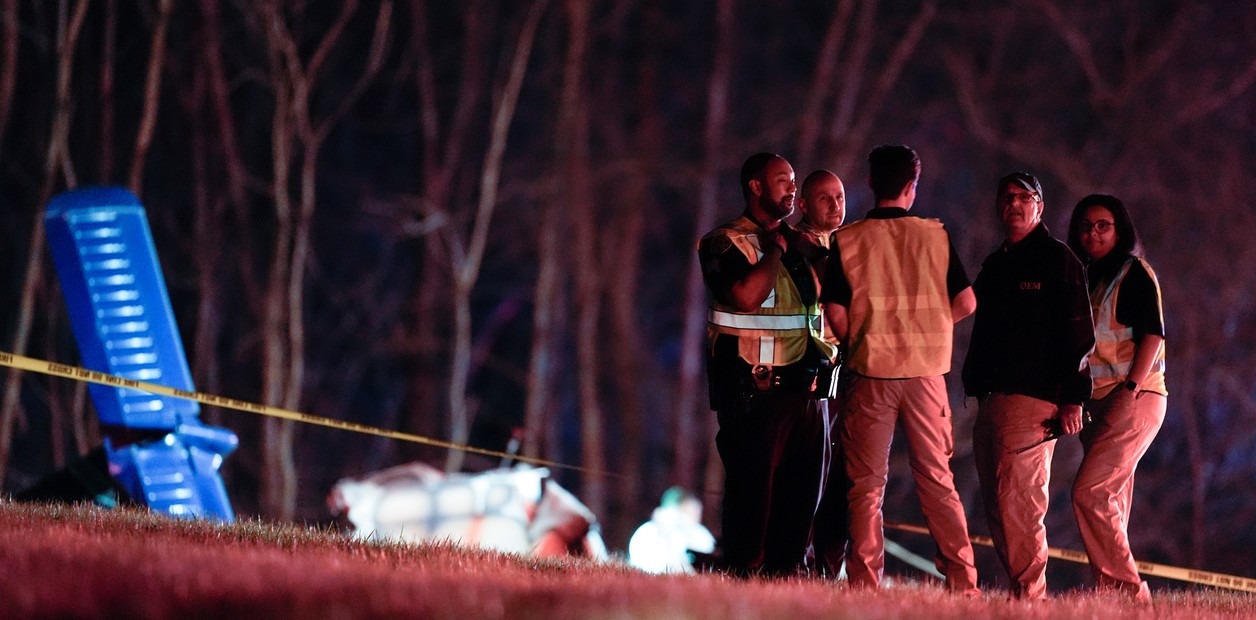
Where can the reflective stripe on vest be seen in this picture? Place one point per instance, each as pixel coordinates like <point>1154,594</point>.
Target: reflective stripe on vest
<point>900,312</point>
<point>777,332</point>
<point>758,322</point>
<point>1113,356</point>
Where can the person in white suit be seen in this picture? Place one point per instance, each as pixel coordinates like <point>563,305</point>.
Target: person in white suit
<point>662,544</point>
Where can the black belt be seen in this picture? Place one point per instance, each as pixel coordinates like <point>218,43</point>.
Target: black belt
<point>790,378</point>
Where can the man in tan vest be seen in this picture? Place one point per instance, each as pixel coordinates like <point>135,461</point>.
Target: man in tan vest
<point>893,289</point>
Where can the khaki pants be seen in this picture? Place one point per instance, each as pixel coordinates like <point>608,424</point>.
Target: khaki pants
<point>871,410</point>
<point>1014,485</point>
<point>1114,442</point>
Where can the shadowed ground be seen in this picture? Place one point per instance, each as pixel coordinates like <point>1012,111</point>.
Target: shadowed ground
<point>71,561</point>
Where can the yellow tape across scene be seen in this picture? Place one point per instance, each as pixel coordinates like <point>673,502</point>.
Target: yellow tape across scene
<point>13,360</point>
<point>1146,569</point>
<point>91,376</point>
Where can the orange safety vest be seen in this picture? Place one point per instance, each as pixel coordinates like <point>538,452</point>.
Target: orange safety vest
<point>775,333</point>
<point>1113,356</point>
<point>900,312</point>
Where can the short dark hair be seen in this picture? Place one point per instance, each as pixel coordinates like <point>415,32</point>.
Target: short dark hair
<point>890,168</point>
<point>1127,243</point>
<point>753,169</point>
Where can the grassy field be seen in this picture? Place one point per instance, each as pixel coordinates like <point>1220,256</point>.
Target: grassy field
<point>83,562</point>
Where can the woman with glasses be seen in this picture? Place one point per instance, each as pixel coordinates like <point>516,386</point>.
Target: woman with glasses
<point>1129,397</point>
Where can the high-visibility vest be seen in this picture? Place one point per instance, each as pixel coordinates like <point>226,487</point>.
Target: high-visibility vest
<point>900,312</point>
<point>818,237</point>
<point>1113,356</point>
<point>775,333</point>
<point>821,239</point>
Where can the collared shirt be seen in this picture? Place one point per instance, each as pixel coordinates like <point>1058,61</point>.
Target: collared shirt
<point>836,287</point>
<point>1033,330</point>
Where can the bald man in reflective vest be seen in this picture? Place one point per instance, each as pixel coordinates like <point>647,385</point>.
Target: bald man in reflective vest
<point>822,200</point>
<point>767,357</point>
<point>894,288</point>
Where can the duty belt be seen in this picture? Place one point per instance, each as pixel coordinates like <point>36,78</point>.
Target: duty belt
<point>793,378</point>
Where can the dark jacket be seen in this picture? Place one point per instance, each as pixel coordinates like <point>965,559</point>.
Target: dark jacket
<point>1033,330</point>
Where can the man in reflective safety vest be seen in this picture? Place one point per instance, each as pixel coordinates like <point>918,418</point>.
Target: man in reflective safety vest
<point>822,200</point>
<point>893,289</point>
<point>766,359</point>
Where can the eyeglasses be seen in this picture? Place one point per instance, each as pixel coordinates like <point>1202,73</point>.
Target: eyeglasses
<point>1022,198</point>
<point>1100,227</point>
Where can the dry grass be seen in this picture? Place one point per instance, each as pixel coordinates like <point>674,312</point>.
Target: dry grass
<point>71,561</point>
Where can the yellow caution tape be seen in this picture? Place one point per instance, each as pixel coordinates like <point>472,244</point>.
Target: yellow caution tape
<point>91,376</point>
<point>76,373</point>
<point>1146,569</point>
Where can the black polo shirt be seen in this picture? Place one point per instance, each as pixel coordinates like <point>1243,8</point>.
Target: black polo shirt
<point>1033,331</point>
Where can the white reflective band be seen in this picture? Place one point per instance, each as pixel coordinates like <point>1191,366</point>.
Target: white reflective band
<point>758,321</point>
<point>1109,371</point>
<point>1113,335</point>
<point>767,350</point>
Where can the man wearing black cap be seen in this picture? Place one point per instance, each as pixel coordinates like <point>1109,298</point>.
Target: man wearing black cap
<point>1026,365</point>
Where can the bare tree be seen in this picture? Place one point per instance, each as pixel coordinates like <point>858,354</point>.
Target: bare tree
<point>226,139</point>
<point>573,192</point>
<point>823,79</point>
<point>57,160</point>
<point>547,323</point>
<point>689,407</point>
<point>108,53</point>
<point>297,138</point>
<point>221,203</point>
<point>8,82</point>
<point>628,188</point>
<point>152,94</point>
<point>858,87</point>
<point>208,228</point>
<point>444,146</point>
<point>8,63</point>
<point>468,255</point>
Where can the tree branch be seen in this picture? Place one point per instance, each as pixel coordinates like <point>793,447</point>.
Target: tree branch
<point>152,96</point>
<point>470,268</point>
